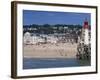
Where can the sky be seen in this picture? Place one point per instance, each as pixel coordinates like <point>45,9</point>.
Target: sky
<point>49,17</point>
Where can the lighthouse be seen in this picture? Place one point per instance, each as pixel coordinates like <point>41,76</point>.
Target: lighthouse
<point>84,48</point>
<point>85,33</point>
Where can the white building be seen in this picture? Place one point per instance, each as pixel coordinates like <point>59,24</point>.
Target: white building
<point>35,39</point>
<point>52,39</point>
<point>85,33</point>
<point>27,38</point>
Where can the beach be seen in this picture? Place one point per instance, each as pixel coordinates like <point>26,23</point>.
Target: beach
<point>48,50</point>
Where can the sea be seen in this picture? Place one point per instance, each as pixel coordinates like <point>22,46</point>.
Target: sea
<point>38,63</point>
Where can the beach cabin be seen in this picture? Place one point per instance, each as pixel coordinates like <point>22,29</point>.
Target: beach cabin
<point>52,39</point>
<point>35,39</point>
<point>41,40</point>
<point>27,38</point>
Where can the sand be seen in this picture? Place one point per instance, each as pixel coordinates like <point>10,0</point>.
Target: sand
<point>60,50</point>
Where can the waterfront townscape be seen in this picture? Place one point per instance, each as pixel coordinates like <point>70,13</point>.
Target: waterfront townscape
<point>53,41</point>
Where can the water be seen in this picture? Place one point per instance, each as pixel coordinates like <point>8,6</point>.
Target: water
<point>36,63</point>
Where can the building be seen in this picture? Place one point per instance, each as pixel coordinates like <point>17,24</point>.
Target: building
<point>27,38</point>
<point>85,33</point>
<point>84,46</point>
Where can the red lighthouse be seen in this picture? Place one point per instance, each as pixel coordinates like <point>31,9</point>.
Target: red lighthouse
<point>86,32</point>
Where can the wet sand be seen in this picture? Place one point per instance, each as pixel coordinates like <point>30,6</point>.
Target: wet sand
<point>60,50</point>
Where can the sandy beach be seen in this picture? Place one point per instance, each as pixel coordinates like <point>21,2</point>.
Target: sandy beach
<point>60,50</point>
